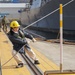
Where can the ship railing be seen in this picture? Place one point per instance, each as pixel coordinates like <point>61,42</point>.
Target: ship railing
<point>13,1</point>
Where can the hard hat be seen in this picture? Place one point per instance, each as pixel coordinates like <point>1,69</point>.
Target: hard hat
<point>14,24</point>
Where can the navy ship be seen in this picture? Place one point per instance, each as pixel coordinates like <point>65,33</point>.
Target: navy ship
<point>40,8</point>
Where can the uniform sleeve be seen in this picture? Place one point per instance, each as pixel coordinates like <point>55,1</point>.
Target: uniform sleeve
<point>17,40</point>
<point>27,35</point>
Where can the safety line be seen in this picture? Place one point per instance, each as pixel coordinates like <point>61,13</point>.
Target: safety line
<point>11,57</point>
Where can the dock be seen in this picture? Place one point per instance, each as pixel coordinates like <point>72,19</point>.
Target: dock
<point>8,65</point>
<point>56,56</point>
<point>48,54</point>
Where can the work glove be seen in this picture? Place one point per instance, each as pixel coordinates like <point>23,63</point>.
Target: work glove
<point>34,40</point>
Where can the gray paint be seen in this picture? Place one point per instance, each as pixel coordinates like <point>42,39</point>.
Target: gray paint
<point>52,21</point>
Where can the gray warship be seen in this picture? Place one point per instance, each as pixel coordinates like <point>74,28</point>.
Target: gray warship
<point>40,8</point>
<point>51,22</point>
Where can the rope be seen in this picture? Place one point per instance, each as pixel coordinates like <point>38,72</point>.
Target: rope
<point>11,58</point>
<point>47,15</point>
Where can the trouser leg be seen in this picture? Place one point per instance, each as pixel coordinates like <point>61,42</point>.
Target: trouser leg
<point>0,29</point>
<point>16,57</point>
<point>31,53</point>
<point>3,27</point>
<point>6,28</point>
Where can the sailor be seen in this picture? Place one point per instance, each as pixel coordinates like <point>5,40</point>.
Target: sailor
<point>4,23</point>
<point>18,39</point>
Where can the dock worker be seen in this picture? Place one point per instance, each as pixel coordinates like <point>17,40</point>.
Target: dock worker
<point>18,39</point>
<point>0,24</point>
<point>4,23</point>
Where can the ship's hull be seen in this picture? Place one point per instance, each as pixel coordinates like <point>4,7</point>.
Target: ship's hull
<point>52,21</point>
<point>38,11</point>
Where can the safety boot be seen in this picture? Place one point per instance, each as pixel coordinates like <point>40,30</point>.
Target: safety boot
<point>20,65</point>
<point>36,62</point>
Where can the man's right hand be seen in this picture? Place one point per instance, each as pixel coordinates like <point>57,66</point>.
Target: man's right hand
<point>34,40</point>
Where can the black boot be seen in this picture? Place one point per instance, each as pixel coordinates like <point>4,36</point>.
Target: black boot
<point>36,62</point>
<point>20,65</point>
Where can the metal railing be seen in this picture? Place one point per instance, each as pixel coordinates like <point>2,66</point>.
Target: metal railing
<point>13,1</point>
